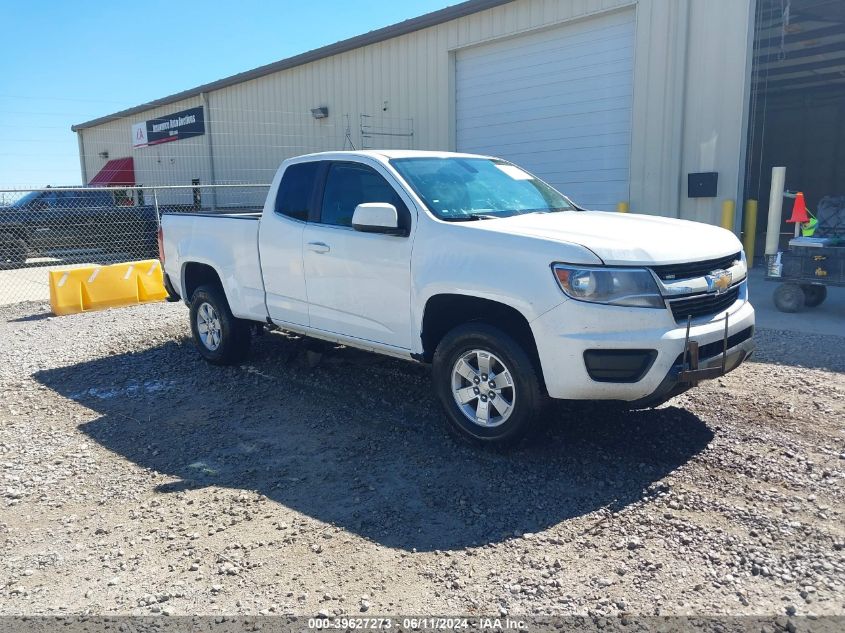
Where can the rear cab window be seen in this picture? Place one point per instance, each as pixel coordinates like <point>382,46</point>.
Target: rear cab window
<point>293,199</point>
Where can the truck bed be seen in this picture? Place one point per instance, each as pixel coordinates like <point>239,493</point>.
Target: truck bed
<point>226,242</point>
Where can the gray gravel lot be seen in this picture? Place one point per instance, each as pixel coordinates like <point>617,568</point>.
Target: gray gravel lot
<point>134,478</point>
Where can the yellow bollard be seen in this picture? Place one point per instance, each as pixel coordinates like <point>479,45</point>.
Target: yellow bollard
<point>728,211</point>
<point>622,207</point>
<point>750,221</point>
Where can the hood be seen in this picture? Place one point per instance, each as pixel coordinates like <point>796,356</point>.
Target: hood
<point>623,238</point>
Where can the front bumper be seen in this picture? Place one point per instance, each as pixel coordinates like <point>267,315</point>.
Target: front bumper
<point>673,384</point>
<point>564,333</point>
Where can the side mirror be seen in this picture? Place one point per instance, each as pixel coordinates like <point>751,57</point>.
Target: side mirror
<point>377,217</point>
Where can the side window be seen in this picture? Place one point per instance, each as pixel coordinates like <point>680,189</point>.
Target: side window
<point>86,199</point>
<point>351,184</point>
<point>74,199</point>
<point>50,199</point>
<point>294,197</point>
<point>105,198</point>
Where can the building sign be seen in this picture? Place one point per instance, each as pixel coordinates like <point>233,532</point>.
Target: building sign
<point>139,134</point>
<point>174,127</point>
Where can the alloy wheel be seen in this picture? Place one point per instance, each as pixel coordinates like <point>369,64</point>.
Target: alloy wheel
<point>208,326</point>
<point>483,388</point>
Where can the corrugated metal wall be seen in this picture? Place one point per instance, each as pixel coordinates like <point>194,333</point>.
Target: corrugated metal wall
<point>716,107</point>
<point>175,163</point>
<point>256,124</point>
<point>689,95</point>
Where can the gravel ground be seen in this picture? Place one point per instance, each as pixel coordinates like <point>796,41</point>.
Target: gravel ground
<point>136,479</point>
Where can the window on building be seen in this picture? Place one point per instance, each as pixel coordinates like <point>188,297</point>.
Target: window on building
<point>294,197</point>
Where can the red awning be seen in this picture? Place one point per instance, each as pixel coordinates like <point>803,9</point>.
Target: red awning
<point>120,171</point>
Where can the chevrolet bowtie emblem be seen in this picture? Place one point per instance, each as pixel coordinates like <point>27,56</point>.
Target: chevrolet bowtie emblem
<point>719,281</point>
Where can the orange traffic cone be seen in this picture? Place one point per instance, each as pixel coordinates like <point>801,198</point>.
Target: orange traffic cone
<point>799,210</point>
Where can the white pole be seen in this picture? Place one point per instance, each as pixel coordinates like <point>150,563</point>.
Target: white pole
<point>775,209</point>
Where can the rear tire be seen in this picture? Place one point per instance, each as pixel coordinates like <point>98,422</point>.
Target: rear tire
<point>13,251</point>
<point>789,298</point>
<point>488,385</point>
<point>220,337</point>
<point>814,294</point>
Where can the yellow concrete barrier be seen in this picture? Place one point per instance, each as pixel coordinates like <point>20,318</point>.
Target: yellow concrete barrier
<point>728,212</point>
<point>99,287</point>
<point>622,207</point>
<point>750,230</point>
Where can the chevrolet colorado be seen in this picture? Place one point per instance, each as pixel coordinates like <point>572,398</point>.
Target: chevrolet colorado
<point>511,291</point>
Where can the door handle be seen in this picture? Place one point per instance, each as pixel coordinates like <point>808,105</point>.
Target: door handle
<point>319,247</point>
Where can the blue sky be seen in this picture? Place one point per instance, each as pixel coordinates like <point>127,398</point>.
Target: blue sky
<point>69,62</point>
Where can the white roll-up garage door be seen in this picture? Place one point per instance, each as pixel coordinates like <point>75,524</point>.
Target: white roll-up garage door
<point>557,102</point>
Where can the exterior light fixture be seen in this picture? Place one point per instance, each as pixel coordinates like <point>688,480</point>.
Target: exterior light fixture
<point>104,155</point>
<point>320,113</point>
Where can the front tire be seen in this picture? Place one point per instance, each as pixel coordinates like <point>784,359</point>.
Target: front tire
<point>789,298</point>
<point>220,337</point>
<point>13,251</point>
<point>488,385</point>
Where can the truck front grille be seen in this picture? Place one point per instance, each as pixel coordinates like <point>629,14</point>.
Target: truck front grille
<point>689,270</point>
<point>703,305</point>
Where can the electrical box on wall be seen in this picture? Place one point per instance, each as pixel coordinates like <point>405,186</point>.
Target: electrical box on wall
<point>702,185</point>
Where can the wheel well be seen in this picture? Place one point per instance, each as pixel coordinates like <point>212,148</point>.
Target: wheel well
<point>445,312</point>
<point>196,275</point>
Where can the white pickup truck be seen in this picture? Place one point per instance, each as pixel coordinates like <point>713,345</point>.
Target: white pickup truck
<point>507,288</point>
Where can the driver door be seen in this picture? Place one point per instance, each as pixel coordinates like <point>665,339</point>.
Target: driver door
<point>52,226</point>
<point>358,284</point>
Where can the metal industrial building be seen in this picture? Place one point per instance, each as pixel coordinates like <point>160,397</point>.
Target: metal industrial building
<point>638,101</point>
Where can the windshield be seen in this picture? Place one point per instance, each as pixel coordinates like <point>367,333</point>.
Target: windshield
<point>478,188</point>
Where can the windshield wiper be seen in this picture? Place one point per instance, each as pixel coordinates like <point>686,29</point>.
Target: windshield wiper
<point>470,217</point>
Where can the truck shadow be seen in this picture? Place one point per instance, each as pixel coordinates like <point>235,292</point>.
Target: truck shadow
<point>359,442</point>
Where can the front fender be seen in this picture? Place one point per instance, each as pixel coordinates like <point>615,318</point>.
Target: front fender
<point>513,270</point>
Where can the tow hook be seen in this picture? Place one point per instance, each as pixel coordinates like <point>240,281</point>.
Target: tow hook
<point>690,371</point>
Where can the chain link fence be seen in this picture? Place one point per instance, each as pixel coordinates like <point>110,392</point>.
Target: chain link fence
<point>65,227</point>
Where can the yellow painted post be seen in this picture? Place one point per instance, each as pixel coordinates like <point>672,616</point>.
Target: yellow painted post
<point>750,221</point>
<point>622,207</point>
<point>728,212</point>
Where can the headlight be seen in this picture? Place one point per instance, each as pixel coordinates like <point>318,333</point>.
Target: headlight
<point>633,287</point>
